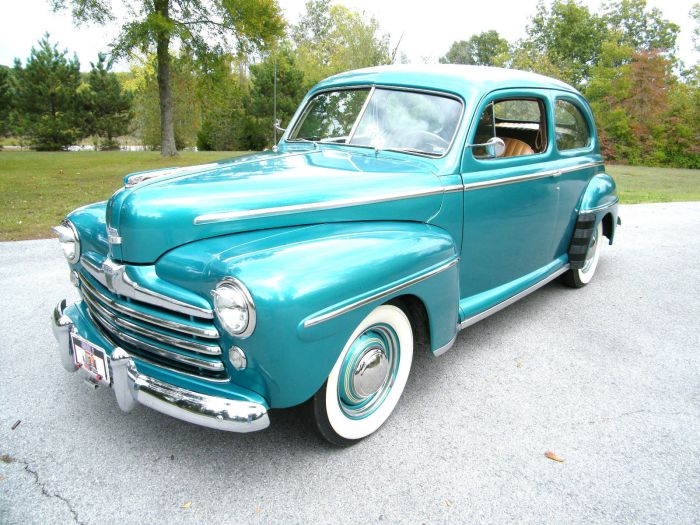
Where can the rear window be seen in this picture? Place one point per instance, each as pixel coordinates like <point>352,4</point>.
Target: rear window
<point>571,127</point>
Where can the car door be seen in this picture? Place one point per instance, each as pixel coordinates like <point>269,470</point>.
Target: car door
<point>579,160</point>
<point>510,202</point>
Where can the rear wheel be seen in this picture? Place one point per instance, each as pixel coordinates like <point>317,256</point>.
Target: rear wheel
<point>368,378</point>
<point>579,278</point>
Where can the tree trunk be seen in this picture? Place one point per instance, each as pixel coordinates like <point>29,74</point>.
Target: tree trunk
<point>167,130</point>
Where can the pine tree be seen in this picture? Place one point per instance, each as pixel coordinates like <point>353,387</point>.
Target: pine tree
<point>46,101</point>
<point>106,107</point>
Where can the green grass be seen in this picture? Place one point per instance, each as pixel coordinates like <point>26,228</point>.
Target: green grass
<point>38,189</point>
<point>637,184</point>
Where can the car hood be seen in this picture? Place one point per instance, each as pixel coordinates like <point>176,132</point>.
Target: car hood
<point>268,190</point>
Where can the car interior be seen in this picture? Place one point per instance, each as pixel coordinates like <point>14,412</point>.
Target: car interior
<point>520,123</point>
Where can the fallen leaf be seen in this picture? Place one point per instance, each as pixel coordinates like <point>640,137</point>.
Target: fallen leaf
<point>6,458</point>
<point>447,503</point>
<point>186,505</point>
<point>518,364</point>
<point>551,455</point>
<point>2,478</point>
<point>258,510</point>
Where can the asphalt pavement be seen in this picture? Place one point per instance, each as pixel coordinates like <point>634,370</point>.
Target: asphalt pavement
<point>606,377</point>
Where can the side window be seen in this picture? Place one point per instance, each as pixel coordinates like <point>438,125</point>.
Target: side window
<point>571,128</point>
<point>519,122</point>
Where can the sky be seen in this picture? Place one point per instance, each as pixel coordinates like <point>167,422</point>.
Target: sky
<point>426,32</point>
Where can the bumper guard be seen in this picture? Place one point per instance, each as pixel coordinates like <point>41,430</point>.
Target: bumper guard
<point>132,387</point>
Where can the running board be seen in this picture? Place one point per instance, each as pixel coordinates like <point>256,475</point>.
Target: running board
<point>500,306</point>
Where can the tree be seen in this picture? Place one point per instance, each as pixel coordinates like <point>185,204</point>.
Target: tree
<point>221,104</point>
<point>695,15</point>
<point>46,97</point>
<point>291,88</point>
<point>200,26</point>
<point>329,39</point>
<point>568,35</point>
<point>6,101</point>
<point>186,113</point>
<point>106,107</point>
<point>485,49</point>
<point>642,29</point>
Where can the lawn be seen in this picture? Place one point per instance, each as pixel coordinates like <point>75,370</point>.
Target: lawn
<point>637,184</point>
<point>38,189</point>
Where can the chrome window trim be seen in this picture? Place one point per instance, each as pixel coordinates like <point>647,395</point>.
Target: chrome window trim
<point>373,88</point>
<point>500,306</point>
<point>209,333</point>
<point>123,285</point>
<point>210,350</point>
<point>212,366</point>
<point>380,295</point>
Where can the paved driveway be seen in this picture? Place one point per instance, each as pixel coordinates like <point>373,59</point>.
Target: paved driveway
<point>607,377</point>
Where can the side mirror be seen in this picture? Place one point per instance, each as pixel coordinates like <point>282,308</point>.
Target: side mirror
<point>495,147</point>
<point>277,126</point>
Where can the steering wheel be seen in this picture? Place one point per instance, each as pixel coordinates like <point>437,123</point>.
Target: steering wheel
<point>421,138</point>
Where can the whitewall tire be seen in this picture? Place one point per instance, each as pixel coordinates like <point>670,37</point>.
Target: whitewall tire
<point>367,379</point>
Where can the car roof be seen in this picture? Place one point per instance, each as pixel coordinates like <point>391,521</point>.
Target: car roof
<point>466,81</point>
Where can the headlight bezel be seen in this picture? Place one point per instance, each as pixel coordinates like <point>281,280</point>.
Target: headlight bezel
<point>228,285</point>
<point>68,233</point>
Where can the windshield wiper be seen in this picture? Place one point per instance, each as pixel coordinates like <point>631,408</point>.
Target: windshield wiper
<point>408,150</point>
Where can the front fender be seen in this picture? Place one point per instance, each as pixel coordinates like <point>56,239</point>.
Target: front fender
<point>298,276</point>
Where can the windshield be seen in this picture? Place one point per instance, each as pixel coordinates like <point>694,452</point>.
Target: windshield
<point>382,118</point>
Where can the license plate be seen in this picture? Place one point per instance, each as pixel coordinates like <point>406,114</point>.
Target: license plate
<point>91,358</point>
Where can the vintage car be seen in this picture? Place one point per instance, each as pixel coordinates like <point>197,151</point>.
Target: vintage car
<point>401,205</point>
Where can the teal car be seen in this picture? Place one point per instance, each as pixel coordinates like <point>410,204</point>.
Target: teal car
<point>401,205</point>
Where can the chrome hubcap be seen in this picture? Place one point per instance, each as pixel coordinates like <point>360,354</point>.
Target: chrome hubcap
<point>368,371</point>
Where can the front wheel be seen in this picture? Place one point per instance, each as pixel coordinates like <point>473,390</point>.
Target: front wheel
<point>368,378</point>
<point>579,278</point>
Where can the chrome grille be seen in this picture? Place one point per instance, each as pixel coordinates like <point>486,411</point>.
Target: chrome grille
<point>179,342</point>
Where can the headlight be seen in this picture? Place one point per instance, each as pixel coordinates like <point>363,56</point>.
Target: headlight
<point>234,307</point>
<point>70,242</point>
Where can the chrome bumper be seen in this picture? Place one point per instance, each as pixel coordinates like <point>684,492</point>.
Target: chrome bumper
<point>132,387</point>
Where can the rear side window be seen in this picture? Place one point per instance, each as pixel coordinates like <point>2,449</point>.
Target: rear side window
<point>571,127</point>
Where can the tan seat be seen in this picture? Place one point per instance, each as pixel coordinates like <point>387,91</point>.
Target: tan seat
<point>516,148</point>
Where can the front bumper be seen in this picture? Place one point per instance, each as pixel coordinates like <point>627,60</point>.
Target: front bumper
<point>132,387</point>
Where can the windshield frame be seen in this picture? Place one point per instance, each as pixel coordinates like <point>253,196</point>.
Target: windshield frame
<point>372,88</point>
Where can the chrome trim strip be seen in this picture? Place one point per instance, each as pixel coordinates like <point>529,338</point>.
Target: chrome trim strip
<point>161,338</point>
<point>500,306</point>
<point>132,387</point>
<point>359,115</point>
<point>210,218</point>
<point>601,207</point>
<point>213,366</point>
<point>445,348</point>
<point>531,176</point>
<point>209,333</point>
<point>120,283</point>
<point>380,295</point>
